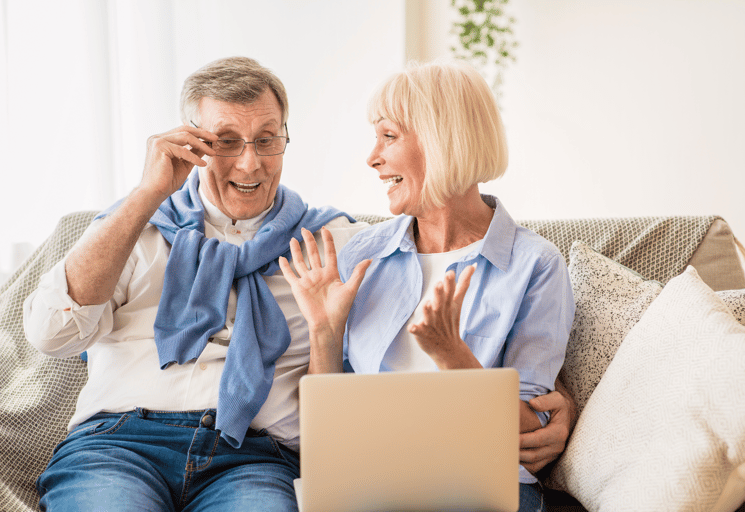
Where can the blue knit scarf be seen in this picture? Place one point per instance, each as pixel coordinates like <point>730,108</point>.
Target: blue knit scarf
<point>199,275</point>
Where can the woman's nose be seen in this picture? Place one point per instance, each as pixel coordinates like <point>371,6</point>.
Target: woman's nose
<point>374,158</point>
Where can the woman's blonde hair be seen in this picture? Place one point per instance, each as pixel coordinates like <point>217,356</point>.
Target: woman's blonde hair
<point>237,80</point>
<point>454,114</point>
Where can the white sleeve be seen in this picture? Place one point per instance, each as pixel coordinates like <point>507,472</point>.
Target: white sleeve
<point>58,326</point>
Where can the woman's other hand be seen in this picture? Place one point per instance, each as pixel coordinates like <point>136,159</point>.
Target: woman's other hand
<point>438,333</point>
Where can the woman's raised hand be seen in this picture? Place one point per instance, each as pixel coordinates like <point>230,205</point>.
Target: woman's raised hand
<point>438,333</point>
<point>323,299</point>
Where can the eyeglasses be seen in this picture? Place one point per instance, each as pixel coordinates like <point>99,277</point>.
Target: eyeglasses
<point>264,146</point>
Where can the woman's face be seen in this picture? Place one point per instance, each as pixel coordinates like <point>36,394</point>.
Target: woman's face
<point>400,163</point>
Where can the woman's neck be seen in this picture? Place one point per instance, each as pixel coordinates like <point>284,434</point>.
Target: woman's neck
<point>462,221</point>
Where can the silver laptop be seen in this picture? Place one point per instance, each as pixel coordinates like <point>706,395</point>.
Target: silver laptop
<point>401,441</point>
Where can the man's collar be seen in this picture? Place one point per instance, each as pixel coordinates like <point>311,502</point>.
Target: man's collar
<point>214,216</point>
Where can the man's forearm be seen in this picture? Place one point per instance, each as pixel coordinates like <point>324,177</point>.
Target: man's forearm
<point>95,264</point>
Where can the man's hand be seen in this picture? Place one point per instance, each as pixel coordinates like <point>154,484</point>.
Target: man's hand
<point>543,446</point>
<point>97,260</point>
<point>171,156</point>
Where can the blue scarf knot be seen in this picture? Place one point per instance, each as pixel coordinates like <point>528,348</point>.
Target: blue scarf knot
<point>199,276</point>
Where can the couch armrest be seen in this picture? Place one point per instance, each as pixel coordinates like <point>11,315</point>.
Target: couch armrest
<point>37,393</point>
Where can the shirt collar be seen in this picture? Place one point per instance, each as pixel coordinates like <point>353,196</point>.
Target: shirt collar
<point>500,237</point>
<point>214,216</point>
<point>498,241</point>
<point>402,237</point>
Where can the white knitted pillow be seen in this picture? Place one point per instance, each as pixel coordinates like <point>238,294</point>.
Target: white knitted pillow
<point>665,427</point>
<point>610,299</point>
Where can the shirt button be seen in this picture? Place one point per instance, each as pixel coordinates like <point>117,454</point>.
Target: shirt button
<point>207,420</point>
<point>202,366</point>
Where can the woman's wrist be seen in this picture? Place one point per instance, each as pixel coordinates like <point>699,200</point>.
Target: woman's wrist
<point>326,347</point>
<point>458,356</point>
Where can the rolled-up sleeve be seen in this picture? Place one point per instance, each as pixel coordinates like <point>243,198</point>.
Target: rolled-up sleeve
<point>58,326</point>
<point>536,344</point>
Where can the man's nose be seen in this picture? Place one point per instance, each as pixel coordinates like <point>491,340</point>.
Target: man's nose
<point>248,161</point>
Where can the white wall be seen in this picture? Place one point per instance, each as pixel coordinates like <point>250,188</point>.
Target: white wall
<point>626,108</point>
<point>612,109</point>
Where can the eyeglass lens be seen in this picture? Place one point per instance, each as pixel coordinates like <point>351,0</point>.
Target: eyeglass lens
<point>265,146</point>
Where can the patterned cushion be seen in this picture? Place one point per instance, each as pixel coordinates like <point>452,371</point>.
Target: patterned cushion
<point>664,428</point>
<point>610,300</point>
<point>735,301</point>
<point>38,393</point>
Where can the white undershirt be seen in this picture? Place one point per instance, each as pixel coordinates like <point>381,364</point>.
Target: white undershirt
<point>404,353</point>
<point>123,368</point>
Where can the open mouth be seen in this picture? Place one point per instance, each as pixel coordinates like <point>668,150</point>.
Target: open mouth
<point>392,182</point>
<point>245,188</point>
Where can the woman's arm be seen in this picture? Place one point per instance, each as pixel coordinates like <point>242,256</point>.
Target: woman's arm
<point>438,334</point>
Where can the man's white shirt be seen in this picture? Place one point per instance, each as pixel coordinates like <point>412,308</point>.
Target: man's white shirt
<point>123,366</point>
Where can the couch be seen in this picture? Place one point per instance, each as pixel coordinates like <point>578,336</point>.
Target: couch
<point>633,279</point>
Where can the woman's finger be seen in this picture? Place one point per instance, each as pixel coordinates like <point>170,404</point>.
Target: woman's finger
<point>464,282</point>
<point>358,274</point>
<point>438,300</point>
<point>297,258</point>
<point>286,269</point>
<point>448,285</point>
<point>329,250</point>
<point>314,258</point>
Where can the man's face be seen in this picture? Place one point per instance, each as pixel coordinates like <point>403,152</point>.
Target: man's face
<point>243,186</point>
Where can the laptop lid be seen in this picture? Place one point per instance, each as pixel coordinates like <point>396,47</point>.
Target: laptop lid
<point>410,441</point>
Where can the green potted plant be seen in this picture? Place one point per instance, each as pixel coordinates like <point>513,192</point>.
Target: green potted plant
<point>487,42</point>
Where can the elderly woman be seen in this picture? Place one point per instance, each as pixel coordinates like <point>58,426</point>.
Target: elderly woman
<point>452,281</point>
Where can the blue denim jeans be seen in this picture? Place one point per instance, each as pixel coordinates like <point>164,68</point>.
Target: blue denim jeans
<point>166,461</point>
<point>531,498</point>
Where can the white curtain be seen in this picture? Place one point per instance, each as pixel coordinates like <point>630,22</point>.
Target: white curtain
<point>80,81</point>
<point>84,83</point>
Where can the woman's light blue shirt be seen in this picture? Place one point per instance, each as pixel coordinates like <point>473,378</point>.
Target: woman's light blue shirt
<point>518,310</point>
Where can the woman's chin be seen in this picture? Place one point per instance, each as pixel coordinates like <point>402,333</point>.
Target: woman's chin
<point>395,209</point>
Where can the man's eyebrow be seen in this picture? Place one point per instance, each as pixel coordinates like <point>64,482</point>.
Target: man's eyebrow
<point>233,129</point>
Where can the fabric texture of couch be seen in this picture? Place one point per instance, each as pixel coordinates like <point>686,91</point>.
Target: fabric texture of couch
<point>38,393</point>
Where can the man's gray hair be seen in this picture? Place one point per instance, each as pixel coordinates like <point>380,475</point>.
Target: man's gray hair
<point>233,80</point>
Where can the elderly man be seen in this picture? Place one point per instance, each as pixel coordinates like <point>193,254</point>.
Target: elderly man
<point>154,293</point>
<point>195,344</point>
